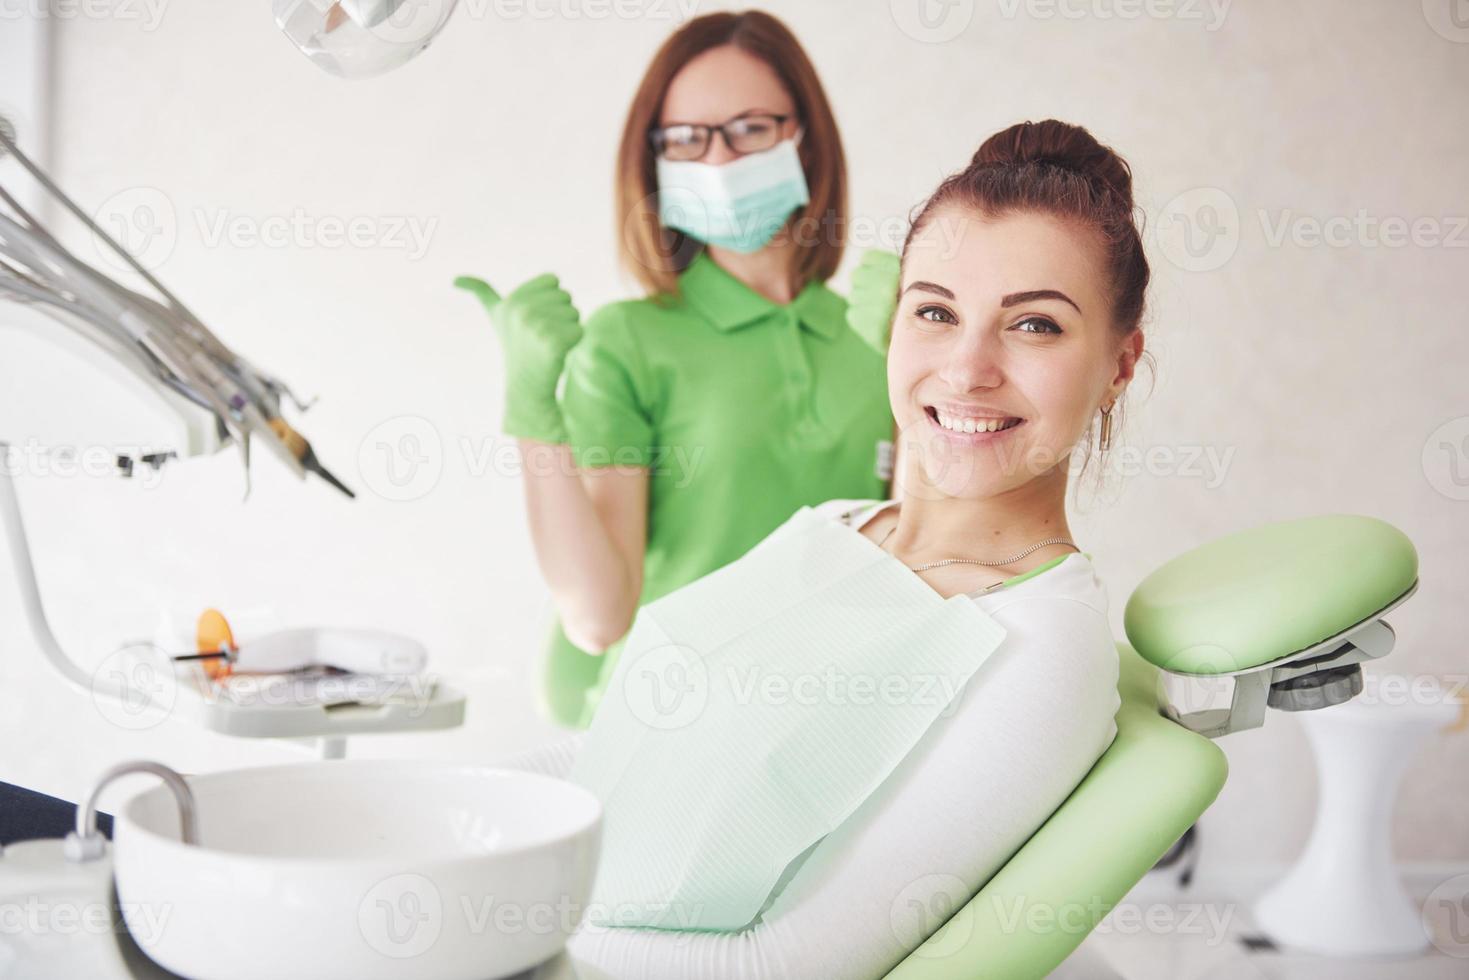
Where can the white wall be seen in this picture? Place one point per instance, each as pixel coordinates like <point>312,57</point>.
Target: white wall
<point>1324,370</point>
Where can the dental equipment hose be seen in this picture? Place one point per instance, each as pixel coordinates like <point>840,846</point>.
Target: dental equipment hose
<point>161,342</point>
<point>30,591</point>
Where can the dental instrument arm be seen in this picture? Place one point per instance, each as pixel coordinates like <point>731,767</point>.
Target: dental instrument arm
<point>152,349</point>
<point>158,345</point>
<point>154,339</point>
<point>30,593</point>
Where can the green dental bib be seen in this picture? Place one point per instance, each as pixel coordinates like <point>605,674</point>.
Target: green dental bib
<point>753,710</point>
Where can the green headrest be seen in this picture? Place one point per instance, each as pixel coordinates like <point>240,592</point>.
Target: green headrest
<point>1256,596</point>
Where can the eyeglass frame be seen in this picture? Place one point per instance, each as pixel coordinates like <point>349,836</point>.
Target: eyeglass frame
<point>712,128</point>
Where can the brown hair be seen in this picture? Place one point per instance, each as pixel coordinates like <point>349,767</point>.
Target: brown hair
<point>1060,169</point>
<point>656,255</point>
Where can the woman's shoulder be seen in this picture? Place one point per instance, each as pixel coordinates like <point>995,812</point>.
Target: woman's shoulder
<point>613,316</point>
<point>637,313</point>
<point>1060,620</point>
<point>630,330</point>
<point>1072,581</point>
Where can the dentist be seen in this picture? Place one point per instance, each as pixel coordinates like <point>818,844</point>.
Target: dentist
<point>693,421</point>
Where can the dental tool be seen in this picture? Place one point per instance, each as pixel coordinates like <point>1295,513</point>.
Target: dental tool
<point>158,338</point>
<point>360,651</point>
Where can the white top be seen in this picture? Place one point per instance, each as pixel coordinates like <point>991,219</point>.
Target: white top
<point>1018,739</point>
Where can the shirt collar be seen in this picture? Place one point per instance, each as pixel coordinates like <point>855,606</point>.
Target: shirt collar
<point>729,304</point>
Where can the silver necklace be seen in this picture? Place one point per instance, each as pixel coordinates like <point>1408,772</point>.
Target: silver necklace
<point>976,561</point>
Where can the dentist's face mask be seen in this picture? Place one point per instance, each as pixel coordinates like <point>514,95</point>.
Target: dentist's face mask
<point>739,205</point>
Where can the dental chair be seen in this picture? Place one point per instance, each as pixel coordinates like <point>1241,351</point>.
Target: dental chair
<point>1290,611</point>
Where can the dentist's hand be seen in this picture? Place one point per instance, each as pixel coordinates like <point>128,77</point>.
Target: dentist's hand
<point>538,326</point>
<point>874,298</point>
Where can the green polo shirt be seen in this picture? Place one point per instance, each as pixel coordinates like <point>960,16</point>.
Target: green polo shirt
<point>742,409</point>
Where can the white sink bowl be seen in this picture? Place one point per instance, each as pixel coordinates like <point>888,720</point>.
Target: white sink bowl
<point>358,868</point>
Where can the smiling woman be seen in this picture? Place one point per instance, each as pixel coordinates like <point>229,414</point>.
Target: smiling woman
<point>1047,211</point>
<point>1020,295</point>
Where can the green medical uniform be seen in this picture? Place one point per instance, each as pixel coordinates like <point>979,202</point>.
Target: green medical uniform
<point>742,409</point>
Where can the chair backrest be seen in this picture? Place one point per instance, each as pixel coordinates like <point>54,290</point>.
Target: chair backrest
<point>1145,791</point>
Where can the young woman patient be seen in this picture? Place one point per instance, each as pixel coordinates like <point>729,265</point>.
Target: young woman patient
<point>1016,331</point>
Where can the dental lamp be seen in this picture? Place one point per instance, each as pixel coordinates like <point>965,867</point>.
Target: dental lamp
<point>361,38</point>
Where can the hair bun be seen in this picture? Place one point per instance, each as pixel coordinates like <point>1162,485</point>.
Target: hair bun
<point>1057,170</point>
<point>1061,145</point>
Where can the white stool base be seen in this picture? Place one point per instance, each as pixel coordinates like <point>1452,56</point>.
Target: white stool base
<point>1344,896</point>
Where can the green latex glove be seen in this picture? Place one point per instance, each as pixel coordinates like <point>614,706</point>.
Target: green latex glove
<point>538,326</point>
<point>874,298</point>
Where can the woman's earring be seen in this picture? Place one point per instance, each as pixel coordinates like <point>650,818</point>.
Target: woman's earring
<point>1106,438</point>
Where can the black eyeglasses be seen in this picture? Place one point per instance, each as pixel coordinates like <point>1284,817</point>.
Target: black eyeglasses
<point>744,134</point>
